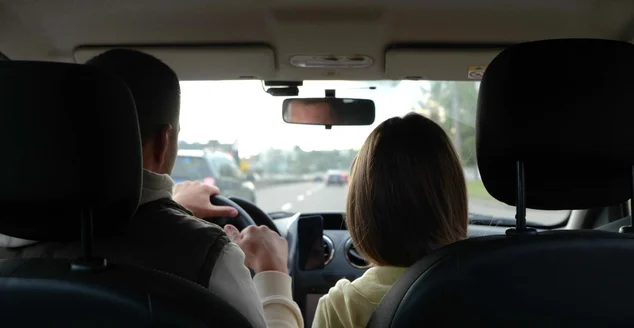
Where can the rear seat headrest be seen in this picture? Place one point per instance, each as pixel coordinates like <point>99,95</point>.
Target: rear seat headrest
<point>565,108</point>
<point>70,141</point>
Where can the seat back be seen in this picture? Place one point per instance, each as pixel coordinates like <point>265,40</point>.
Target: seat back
<point>75,171</point>
<point>48,293</point>
<point>555,140</point>
<point>563,279</point>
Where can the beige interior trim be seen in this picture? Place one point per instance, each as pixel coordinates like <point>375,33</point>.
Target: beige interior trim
<point>203,63</point>
<point>431,64</point>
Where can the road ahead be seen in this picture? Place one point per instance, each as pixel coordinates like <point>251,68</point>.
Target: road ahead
<point>316,197</point>
<point>303,197</point>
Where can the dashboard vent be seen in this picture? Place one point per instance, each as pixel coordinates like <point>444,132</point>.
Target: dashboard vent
<point>329,250</point>
<point>354,257</point>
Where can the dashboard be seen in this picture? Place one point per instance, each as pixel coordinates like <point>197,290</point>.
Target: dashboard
<point>321,252</point>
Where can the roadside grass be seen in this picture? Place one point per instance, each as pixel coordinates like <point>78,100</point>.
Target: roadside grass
<point>476,189</point>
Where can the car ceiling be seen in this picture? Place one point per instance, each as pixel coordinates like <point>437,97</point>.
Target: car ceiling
<point>54,30</point>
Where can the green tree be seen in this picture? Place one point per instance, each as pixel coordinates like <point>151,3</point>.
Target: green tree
<point>456,102</point>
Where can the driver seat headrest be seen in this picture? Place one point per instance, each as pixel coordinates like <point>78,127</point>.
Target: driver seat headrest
<point>68,129</point>
<point>73,147</point>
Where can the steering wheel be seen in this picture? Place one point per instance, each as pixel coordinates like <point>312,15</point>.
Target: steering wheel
<point>258,215</point>
<point>248,214</point>
<point>241,221</point>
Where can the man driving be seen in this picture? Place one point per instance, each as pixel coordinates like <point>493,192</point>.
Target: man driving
<point>165,233</point>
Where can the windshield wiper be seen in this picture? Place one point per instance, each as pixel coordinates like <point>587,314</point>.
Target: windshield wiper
<point>479,219</point>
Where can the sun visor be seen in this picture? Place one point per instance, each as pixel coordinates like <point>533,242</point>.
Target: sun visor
<point>204,63</point>
<point>438,64</point>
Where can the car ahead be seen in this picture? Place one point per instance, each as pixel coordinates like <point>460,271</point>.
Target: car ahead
<point>338,178</point>
<point>213,168</point>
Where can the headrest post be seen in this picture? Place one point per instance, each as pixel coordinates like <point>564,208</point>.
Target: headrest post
<point>520,205</point>
<point>630,228</point>
<point>87,262</point>
<point>86,233</point>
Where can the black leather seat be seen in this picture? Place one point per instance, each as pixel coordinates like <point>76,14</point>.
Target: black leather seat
<point>558,127</point>
<point>72,167</point>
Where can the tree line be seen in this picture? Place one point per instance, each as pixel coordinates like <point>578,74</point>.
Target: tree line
<point>452,106</point>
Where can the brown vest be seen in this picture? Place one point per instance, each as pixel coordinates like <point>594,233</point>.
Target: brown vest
<point>162,235</point>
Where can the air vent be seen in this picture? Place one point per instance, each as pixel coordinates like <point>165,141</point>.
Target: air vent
<point>354,257</point>
<point>329,250</point>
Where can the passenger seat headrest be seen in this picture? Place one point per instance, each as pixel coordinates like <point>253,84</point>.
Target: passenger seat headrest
<point>70,141</point>
<point>565,108</point>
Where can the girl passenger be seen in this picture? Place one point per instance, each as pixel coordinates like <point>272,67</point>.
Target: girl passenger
<point>407,197</point>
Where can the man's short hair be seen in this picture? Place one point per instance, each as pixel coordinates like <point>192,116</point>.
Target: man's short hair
<point>154,87</point>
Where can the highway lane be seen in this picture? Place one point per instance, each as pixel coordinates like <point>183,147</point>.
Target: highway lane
<point>302,197</point>
<point>316,197</point>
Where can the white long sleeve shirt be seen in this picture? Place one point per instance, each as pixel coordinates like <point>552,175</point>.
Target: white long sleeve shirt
<point>265,300</point>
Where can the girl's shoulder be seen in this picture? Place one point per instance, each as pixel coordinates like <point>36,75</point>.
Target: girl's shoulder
<point>376,282</point>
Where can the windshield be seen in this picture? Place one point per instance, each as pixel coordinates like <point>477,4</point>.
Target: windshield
<point>190,168</point>
<point>288,166</point>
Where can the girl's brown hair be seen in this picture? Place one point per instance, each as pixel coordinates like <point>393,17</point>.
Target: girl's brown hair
<point>407,193</point>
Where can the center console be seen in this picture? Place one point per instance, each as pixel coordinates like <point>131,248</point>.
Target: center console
<point>321,252</point>
<point>318,258</point>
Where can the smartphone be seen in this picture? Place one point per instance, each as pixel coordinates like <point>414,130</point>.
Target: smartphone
<point>310,242</point>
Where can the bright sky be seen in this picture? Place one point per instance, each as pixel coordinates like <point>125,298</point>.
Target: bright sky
<point>241,110</point>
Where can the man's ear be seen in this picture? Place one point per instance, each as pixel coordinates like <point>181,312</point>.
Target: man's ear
<point>161,144</point>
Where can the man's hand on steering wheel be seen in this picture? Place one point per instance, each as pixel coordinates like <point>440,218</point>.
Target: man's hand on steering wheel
<point>263,248</point>
<point>194,196</point>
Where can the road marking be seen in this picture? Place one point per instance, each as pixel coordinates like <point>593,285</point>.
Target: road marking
<point>287,206</point>
<point>300,198</point>
<point>308,192</point>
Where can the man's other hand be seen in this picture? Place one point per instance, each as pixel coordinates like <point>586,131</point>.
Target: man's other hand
<point>264,249</point>
<point>194,196</point>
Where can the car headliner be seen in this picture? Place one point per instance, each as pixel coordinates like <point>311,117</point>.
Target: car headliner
<point>53,30</point>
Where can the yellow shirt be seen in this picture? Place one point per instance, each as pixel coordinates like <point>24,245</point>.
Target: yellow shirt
<point>351,304</point>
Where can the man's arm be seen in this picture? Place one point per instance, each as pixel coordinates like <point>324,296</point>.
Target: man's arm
<point>266,300</point>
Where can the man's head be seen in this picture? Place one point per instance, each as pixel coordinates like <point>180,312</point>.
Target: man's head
<point>310,111</point>
<point>156,92</point>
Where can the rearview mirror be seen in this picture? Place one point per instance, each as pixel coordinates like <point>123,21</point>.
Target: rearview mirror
<point>328,111</point>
